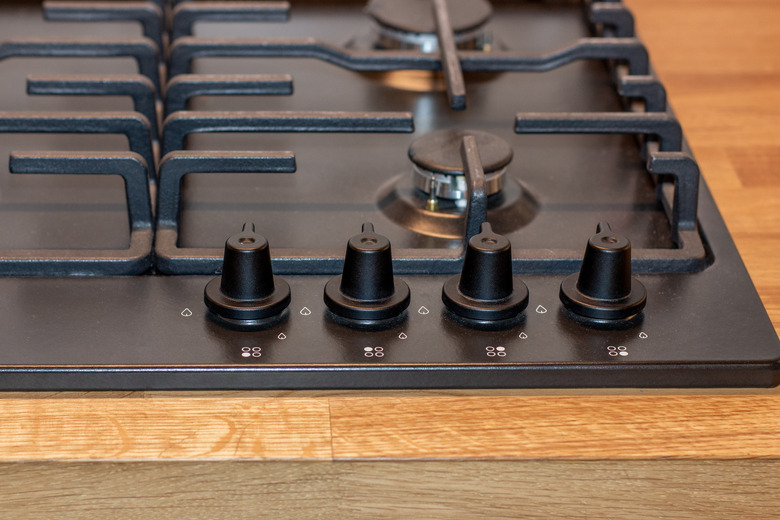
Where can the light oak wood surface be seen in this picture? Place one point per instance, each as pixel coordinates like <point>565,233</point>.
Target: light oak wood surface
<point>618,454</point>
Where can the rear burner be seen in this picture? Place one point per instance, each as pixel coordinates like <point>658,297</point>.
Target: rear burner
<point>433,200</point>
<point>410,24</point>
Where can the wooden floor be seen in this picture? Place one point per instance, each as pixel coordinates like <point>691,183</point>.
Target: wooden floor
<point>618,454</point>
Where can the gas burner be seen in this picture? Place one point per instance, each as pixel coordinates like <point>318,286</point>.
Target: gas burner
<point>433,200</point>
<point>438,167</point>
<point>411,24</point>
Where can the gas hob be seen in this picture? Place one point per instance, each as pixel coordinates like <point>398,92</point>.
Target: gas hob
<point>391,194</point>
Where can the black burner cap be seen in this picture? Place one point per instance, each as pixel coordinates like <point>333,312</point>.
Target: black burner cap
<point>416,16</point>
<point>439,151</point>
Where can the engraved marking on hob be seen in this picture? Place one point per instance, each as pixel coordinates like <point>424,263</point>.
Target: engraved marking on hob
<point>305,311</point>
<point>541,310</point>
<point>186,313</point>
<point>423,310</point>
<point>374,352</point>
<point>614,351</point>
<point>251,351</point>
<point>492,351</point>
<point>642,335</point>
<point>523,335</point>
<point>282,336</point>
<point>402,336</point>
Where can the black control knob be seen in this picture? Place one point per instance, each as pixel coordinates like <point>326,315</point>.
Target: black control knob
<point>604,288</point>
<point>367,289</point>
<point>247,291</point>
<point>485,289</point>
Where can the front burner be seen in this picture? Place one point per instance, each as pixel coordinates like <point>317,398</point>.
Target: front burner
<point>438,166</point>
<point>433,200</point>
<point>410,24</point>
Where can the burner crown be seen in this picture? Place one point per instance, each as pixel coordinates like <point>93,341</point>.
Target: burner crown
<point>439,151</point>
<point>416,16</point>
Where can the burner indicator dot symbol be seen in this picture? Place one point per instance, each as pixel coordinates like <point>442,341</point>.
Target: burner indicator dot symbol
<point>186,313</point>
<point>374,352</point>
<point>251,352</point>
<point>614,351</point>
<point>492,351</point>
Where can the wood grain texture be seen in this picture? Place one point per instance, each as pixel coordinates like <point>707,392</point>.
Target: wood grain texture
<point>126,429</point>
<point>564,427</point>
<point>618,454</point>
<point>536,490</point>
<point>348,428</point>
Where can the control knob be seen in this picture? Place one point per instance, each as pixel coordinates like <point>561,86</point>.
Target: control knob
<point>366,289</point>
<point>604,288</point>
<point>486,290</point>
<point>247,291</point>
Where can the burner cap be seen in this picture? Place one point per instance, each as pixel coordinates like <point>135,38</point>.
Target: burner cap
<point>439,151</point>
<point>416,16</point>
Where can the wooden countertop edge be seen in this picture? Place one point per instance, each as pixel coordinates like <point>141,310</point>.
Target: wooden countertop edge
<point>369,428</point>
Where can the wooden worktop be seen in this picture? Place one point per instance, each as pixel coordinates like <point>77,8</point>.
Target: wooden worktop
<point>462,454</point>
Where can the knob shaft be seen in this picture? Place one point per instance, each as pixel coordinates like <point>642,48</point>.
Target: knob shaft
<point>367,289</point>
<point>247,291</point>
<point>604,288</point>
<point>486,290</point>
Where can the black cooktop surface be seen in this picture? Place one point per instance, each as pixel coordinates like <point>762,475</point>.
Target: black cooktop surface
<point>302,123</point>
